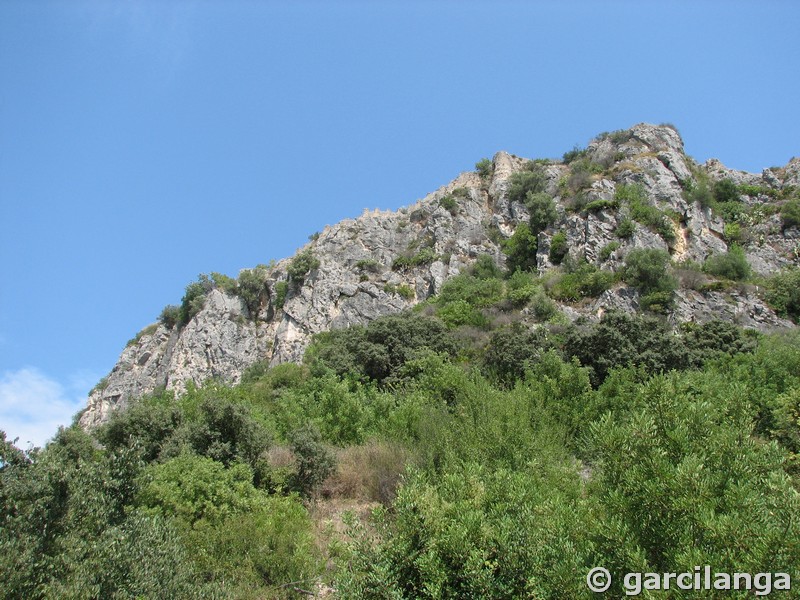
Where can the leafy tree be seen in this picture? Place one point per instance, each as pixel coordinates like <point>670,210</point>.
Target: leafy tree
<point>520,249</point>
<point>542,209</point>
<point>251,287</point>
<point>485,267</point>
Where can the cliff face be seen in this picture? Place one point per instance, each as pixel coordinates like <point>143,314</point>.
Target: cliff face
<point>441,235</point>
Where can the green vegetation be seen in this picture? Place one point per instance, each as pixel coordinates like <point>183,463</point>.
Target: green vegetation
<point>582,280</point>
<point>521,248</point>
<point>281,290</point>
<point>625,229</point>
<point>424,257</point>
<point>194,299</point>
<point>403,290</point>
<point>649,271</point>
<point>450,204</point>
<point>301,264</point>
<point>644,212</point>
<point>790,214</point>
<point>783,293</point>
<point>501,466</point>
<point>558,248</point>
<point>484,168</point>
<point>531,180</point>
<point>609,249</point>
<point>730,265</point>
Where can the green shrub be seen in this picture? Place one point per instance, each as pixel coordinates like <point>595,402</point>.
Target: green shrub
<point>625,229</point>
<point>644,212</point>
<point>380,349</point>
<point>783,293</point>
<point>648,270</point>
<point>730,265</point>
<point>195,298</point>
<point>170,316</point>
<point>558,248</point>
<point>251,287</point>
<point>725,191</point>
<point>424,257</point>
<point>471,289</point>
<point>314,461</point>
<point>368,264</point>
<point>609,249</point>
<point>484,267</point>
<point>450,204</point>
<point>484,168</point>
<point>513,349</point>
<point>734,233</point>
<point>621,340</point>
<point>281,290</point>
<point>584,281</point>
<point>402,290</point>
<point>520,249</point>
<point>542,209</point>
<point>598,205</point>
<point>790,214</point>
<point>532,180</point>
<point>582,172</point>
<point>301,264</point>
<point>224,283</point>
<point>576,153</point>
<point>460,312</point>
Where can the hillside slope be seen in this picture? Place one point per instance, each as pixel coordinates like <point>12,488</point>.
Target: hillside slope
<point>383,262</point>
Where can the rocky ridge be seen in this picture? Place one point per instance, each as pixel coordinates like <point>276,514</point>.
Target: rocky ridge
<point>386,261</point>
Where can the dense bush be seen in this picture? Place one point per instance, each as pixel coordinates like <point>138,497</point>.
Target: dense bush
<point>195,298</point>
<point>558,248</point>
<point>511,350</point>
<point>301,264</point>
<point>625,229</point>
<point>783,293</point>
<point>581,281</point>
<point>170,316</point>
<point>520,249</point>
<point>730,265</point>
<point>484,168</point>
<point>790,214</point>
<point>648,270</point>
<point>377,351</point>
<point>542,209</point>
<point>621,340</point>
<point>252,288</point>
<point>530,181</point>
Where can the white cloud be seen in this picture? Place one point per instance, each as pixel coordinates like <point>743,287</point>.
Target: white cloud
<point>33,405</point>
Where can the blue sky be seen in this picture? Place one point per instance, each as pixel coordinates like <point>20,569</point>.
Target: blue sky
<point>142,143</point>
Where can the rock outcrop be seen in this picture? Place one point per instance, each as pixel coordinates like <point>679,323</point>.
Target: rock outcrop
<point>383,262</point>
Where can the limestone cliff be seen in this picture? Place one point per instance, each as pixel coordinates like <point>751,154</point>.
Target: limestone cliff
<point>383,262</point>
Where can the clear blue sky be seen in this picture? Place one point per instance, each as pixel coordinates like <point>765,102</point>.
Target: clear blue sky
<point>142,143</point>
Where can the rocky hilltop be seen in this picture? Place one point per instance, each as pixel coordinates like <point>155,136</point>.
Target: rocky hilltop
<point>383,262</point>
